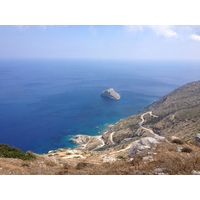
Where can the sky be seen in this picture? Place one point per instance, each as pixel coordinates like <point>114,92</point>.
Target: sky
<point>113,42</point>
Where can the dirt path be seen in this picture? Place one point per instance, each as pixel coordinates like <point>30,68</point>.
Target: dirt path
<point>128,147</point>
<point>101,140</point>
<point>141,123</point>
<point>111,138</point>
<point>85,145</point>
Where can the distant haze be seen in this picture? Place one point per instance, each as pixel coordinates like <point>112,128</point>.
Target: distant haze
<point>100,42</point>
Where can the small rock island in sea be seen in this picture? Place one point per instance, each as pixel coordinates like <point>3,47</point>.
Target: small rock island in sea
<point>111,94</point>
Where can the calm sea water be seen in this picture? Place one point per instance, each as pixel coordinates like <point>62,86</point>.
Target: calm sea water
<point>43,103</point>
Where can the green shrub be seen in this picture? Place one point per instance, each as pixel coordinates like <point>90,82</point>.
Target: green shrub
<point>81,165</point>
<point>186,150</point>
<point>77,157</point>
<point>120,157</point>
<point>7,151</point>
<point>177,141</point>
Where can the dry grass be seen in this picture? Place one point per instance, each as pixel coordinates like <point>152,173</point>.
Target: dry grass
<point>39,166</point>
<point>168,159</point>
<point>164,158</point>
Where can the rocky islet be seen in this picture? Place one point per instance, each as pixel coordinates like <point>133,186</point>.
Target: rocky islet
<point>111,94</point>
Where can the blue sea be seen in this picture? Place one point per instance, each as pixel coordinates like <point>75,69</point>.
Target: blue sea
<point>43,103</point>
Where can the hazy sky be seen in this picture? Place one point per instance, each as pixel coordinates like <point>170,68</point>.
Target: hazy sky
<point>100,42</point>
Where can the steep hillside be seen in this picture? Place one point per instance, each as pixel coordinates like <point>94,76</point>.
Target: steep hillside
<point>178,112</point>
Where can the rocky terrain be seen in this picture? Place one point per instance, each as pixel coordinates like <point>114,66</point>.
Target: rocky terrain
<point>162,139</point>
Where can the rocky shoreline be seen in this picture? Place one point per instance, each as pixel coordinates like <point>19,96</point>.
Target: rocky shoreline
<point>80,139</point>
<point>88,142</point>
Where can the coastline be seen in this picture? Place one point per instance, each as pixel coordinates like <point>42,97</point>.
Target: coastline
<point>80,140</point>
<point>44,110</point>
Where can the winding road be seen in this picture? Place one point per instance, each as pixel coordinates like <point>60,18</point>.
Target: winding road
<point>141,123</point>
<point>101,140</point>
<point>87,143</point>
<point>128,147</point>
<point>141,126</point>
<point>111,138</point>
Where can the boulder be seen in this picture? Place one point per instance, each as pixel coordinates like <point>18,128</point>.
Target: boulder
<point>159,170</point>
<point>142,144</point>
<point>108,159</point>
<point>194,172</point>
<point>151,153</point>
<point>148,141</point>
<point>175,138</point>
<point>160,138</point>
<point>179,149</point>
<point>111,94</point>
<point>52,151</point>
<point>147,158</point>
<point>197,138</point>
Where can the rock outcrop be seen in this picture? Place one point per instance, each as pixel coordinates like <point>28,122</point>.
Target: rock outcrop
<point>197,138</point>
<point>141,145</point>
<point>111,94</point>
<point>175,138</point>
<point>80,139</point>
